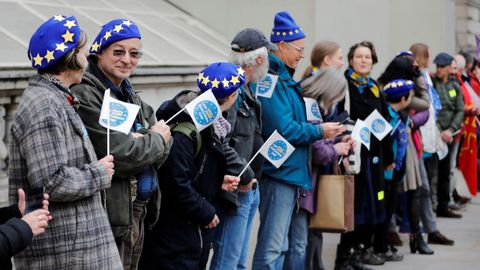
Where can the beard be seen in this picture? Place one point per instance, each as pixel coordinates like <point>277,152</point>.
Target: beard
<point>260,72</point>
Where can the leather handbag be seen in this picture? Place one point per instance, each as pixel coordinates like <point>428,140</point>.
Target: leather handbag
<point>334,203</point>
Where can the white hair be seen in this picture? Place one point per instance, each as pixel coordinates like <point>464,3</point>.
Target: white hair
<point>248,59</point>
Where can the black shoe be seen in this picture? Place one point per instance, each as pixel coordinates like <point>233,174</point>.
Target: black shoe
<point>447,214</point>
<point>394,239</point>
<point>418,244</point>
<point>369,257</point>
<point>439,239</point>
<point>391,256</point>
<point>355,260</point>
<point>460,199</point>
<point>342,260</point>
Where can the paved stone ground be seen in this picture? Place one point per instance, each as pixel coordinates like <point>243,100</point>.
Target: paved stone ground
<point>464,255</point>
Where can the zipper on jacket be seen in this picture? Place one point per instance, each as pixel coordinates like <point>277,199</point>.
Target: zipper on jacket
<point>200,235</point>
<point>200,171</point>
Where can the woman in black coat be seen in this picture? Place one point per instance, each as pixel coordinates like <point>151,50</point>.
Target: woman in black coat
<point>364,98</point>
<point>17,228</point>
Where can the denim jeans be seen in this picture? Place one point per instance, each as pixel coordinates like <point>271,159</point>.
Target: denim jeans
<point>282,236</point>
<point>232,235</point>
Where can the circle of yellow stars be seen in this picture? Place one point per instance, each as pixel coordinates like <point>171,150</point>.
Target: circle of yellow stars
<point>226,83</point>
<point>398,84</point>
<point>67,37</point>
<point>290,33</point>
<point>108,34</point>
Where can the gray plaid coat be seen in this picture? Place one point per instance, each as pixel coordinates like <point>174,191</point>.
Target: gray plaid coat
<point>49,147</point>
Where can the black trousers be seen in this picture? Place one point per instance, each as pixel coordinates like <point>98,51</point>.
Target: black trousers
<point>443,186</point>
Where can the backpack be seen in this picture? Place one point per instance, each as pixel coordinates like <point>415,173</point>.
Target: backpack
<point>188,129</point>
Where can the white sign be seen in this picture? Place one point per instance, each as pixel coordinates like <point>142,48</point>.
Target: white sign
<point>204,110</point>
<point>313,111</point>
<point>266,87</point>
<point>361,133</point>
<point>116,114</point>
<point>378,126</point>
<point>276,149</point>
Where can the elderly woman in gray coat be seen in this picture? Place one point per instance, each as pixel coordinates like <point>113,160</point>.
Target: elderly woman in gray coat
<point>50,149</point>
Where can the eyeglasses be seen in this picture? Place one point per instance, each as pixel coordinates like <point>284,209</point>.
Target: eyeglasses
<point>133,54</point>
<point>300,50</point>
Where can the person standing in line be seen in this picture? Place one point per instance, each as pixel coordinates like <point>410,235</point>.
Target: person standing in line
<point>50,149</point>
<point>193,176</point>
<point>449,120</point>
<point>250,51</point>
<point>281,222</point>
<point>114,56</point>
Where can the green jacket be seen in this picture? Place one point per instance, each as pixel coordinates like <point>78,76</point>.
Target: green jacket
<point>452,112</point>
<point>131,155</point>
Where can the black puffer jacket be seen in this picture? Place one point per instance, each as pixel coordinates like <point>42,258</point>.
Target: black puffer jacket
<point>15,235</point>
<point>190,186</point>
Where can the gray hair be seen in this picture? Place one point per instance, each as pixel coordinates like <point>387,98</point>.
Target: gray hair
<point>247,59</point>
<point>328,87</point>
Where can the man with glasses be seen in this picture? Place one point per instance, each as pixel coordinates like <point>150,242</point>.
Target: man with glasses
<point>281,221</point>
<point>114,55</point>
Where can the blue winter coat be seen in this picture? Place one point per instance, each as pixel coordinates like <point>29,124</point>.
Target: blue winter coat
<point>285,112</point>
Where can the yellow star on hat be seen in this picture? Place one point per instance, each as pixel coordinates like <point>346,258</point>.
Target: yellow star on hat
<point>107,35</point>
<point>95,46</point>
<point>118,28</point>
<point>225,82</point>
<point>205,80</point>
<point>200,76</point>
<point>68,36</point>
<point>70,24</point>
<point>58,18</point>
<point>240,71</point>
<point>49,56</point>
<point>38,60</point>
<point>215,83</point>
<point>127,23</point>
<point>60,47</point>
<point>234,80</point>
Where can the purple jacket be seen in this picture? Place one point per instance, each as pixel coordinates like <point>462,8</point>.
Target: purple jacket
<point>323,153</point>
<point>420,118</point>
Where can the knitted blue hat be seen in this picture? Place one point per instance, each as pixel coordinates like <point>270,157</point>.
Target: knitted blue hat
<point>222,77</point>
<point>52,40</point>
<point>285,28</point>
<point>113,31</point>
<point>398,88</point>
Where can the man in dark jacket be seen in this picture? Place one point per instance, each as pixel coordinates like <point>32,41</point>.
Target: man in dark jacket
<point>191,181</point>
<point>18,228</point>
<point>250,51</point>
<point>114,56</point>
<point>449,121</point>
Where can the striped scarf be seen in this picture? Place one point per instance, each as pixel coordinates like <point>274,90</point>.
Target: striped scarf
<point>362,82</point>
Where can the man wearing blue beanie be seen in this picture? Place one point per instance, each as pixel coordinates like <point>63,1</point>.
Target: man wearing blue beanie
<point>281,221</point>
<point>114,56</point>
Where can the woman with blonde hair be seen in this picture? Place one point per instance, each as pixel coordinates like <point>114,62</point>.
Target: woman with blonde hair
<point>324,54</point>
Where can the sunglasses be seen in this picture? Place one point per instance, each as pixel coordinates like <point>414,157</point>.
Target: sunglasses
<point>122,53</point>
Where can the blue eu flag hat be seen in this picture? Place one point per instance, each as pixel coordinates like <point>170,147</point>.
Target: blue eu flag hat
<point>397,88</point>
<point>52,40</point>
<point>113,31</point>
<point>285,28</point>
<point>222,77</point>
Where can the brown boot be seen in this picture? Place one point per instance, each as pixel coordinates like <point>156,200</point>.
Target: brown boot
<point>439,239</point>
